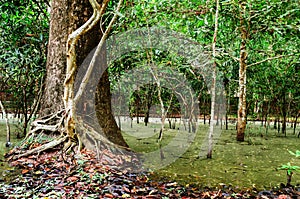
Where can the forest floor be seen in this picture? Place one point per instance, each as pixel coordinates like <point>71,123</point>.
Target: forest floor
<point>49,175</point>
<point>228,175</point>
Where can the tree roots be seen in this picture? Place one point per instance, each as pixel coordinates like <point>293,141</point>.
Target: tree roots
<point>53,127</point>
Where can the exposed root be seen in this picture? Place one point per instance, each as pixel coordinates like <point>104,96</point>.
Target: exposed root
<point>54,124</point>
<point>48,123</point>
<point>41,148</point>
<point>94,140</point>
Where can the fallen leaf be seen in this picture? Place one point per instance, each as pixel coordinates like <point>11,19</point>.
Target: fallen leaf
<point>72,179</point>
<point>25,171</point>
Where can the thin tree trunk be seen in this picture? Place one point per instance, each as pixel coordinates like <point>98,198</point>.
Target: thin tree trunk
<point>226,121</point>
<point>213,87</point>
<point>295,123</point>
<point>149,99</point>
<point>284,114</point>
<point>241,123</point>
<point>162,108</point>
<point>204,119</point>
<point>268,118</point>
<point>7,124</point>
<point>228,106</point>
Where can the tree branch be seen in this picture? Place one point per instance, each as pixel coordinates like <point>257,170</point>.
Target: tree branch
<point>268,59</point>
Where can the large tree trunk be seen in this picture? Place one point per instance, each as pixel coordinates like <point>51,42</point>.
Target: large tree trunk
<point>241,123</point>
<point>56,58</point>
<point>67,16</point>
<point>104,110</point>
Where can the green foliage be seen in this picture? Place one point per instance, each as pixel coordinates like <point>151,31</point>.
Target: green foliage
<point>273,31</point>
<point>297,153</point>
<point>289,168</point>
<point>23,40</point>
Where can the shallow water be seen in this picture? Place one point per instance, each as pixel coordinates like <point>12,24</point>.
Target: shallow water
<point>6,172</point>
<point>252,163</point>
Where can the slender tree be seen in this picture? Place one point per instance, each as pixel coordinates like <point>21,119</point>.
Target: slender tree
<point>241,121</point>
<point>213,86</point>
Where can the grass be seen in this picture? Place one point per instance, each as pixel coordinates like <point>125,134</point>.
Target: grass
<point>240,164</point>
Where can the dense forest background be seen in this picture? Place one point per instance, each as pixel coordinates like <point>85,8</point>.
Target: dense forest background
<point>269,30</point>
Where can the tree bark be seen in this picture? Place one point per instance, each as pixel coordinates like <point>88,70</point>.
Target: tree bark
<point>295,122</point>
<point>241,122</point>
<point>66,17</point>
<point>56,58</point>
<point>104,110</point>
<point>284,114</point>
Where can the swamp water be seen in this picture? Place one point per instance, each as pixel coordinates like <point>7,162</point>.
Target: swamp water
<point>6,172</point>
<point>253,163</point>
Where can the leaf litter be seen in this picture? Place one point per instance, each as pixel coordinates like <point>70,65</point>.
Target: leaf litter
<point>54,175</point>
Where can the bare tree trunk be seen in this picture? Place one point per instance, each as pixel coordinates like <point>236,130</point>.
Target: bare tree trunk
<point>226,85</point>
<point>7,125</point>
<point>213,87</point>
<point>295,123</point>
<point>162,108</point>
<point>149,97</point>
<point>241,122</point>
<point>284,114</point>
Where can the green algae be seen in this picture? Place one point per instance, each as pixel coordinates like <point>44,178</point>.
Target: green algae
<point>242,165</point>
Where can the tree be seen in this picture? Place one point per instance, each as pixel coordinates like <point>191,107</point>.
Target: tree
<point>266,31</point>
<point>103,106</point>
<point>73,26</point>
<point>213,86</point>
<point>241,120</point>
<point>7,124</point>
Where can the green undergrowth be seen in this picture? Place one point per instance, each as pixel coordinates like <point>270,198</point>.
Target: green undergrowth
<point>243,165</point>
